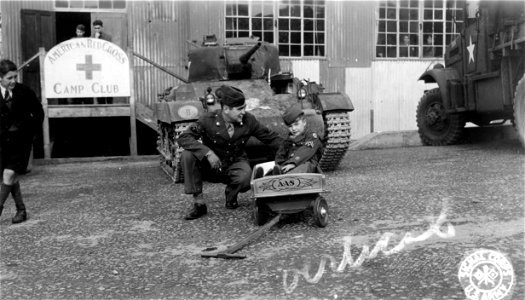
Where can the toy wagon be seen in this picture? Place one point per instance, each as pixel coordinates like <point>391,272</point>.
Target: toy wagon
<point>288,194</point>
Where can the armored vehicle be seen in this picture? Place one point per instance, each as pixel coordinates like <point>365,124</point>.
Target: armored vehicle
<point>483,79</point>
<point>254,68</point>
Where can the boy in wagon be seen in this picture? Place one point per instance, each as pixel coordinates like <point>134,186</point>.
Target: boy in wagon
<point>301,151</point>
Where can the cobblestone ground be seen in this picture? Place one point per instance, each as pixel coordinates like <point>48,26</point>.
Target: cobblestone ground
<point>114,230</point>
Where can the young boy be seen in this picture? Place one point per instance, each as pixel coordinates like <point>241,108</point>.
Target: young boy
<point>301,151</point>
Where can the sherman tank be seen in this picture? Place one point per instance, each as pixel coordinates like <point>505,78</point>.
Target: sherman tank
<point>253,67</point>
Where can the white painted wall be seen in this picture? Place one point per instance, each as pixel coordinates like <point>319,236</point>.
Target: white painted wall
<point>389,87</point>
<point>306,69</point>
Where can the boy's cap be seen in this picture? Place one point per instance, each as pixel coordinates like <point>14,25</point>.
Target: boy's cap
<point>230,96</point>
<point>292,113</point>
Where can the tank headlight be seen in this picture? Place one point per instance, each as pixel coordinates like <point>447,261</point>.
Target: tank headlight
<point>210,99</point>
<point>301,93</point>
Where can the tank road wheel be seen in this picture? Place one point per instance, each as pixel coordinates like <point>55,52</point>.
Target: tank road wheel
<point>338,139</point>
<point>178,175</point>
<point>169,150</point>
<point>519,109</point>
<point>260,215</point>
<point>320,212</point>
<point>435,126</point>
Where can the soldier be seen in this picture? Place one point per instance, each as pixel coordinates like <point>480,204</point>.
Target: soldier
<point>301,151</point>
<point>224,135</point>
<point>20,115</point>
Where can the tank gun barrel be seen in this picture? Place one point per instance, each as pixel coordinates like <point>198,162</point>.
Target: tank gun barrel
<point>246,56</point>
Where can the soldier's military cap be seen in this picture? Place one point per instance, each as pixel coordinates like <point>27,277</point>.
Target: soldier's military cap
<point>292,113</point>
<point>230,96</point>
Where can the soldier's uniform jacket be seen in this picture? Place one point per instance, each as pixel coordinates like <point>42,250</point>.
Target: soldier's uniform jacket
<point>211,128</point>
<point>305,147</point>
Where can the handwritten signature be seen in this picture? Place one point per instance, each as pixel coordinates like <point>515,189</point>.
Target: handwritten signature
<point>380,246</point>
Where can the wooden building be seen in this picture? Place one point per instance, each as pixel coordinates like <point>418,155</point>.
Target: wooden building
<point>355,47</point>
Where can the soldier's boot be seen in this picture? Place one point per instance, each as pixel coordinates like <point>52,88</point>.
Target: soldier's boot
<point>197,211</point>
<point>199,208</point>
<point>21,214</point>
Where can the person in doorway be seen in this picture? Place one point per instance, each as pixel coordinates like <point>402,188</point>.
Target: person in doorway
<point>221,154</point>
<point>98,32</point>
<point>20,116</point>
<point>80,31</point>
<point>301,151</point>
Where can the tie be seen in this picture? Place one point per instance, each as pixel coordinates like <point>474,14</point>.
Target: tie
<point>7,99</point>
<point>230,129</point>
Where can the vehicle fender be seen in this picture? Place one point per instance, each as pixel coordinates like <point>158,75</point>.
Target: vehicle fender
<point>441,76</point>
<point>335,102</point>
<point>178,111</point>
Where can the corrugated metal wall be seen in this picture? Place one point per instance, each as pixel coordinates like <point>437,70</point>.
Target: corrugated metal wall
<point>206,18</point>
<point>359,87</point>
<point>350,28</point>
<point>11,26</point>
<point>158,30</point>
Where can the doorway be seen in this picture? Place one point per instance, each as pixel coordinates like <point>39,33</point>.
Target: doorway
<point>66,23</point>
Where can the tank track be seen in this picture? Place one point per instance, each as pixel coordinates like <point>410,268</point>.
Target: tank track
<point>338,133</point>
<point>169,150</point>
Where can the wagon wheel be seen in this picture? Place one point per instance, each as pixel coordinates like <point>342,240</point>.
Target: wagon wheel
<point>320,211</point>
<point>260,215</point>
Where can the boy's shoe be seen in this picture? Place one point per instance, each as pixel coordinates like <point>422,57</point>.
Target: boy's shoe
<point>259,173</point>
<point>232,204</point>
<point>277,170</point>
<point>197,211</point>
<point>20,217</point>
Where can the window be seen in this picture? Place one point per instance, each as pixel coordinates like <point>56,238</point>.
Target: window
<point>91,4</point>
<point>416,29</point>
<point>296,27</point>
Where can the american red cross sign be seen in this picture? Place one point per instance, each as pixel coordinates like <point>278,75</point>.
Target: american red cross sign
<point>86,67</point>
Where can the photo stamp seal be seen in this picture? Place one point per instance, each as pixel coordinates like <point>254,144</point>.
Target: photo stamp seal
<point>486,274</point>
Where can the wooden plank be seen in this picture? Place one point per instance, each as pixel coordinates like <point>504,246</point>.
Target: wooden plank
<point>45,107</point>
<point>82,111</point>
<point>146,115</point>
<point>132,116</point>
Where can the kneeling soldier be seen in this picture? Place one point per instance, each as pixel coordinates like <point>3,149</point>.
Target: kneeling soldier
<point>224,135</point>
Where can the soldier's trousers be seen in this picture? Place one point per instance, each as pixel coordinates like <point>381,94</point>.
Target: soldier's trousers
<point>236,176</point>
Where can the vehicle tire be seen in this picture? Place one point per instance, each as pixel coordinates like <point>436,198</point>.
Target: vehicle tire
<point>320,210</point>
<point>519,110</point>
<point>435,126</point>
<point>260,215</point>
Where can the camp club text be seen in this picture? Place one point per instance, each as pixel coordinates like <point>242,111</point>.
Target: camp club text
<point>79,89</point>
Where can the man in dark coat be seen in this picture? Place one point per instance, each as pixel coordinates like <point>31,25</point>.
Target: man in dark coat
<point>20,115</point>
<point>224,135</point>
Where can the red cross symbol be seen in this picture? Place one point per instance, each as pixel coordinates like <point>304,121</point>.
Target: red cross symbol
<point>89,67</point>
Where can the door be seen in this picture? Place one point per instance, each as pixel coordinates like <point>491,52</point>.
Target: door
<point>116,25</point>
<point>38,30</point>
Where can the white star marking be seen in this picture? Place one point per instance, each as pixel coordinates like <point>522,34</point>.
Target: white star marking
<point>470,49</point>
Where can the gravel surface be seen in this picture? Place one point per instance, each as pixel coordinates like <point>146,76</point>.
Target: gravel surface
<point>114,230</point>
